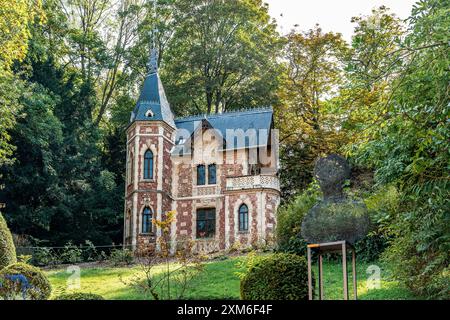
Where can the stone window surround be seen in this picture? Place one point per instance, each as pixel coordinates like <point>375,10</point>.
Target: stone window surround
<point>140,219</point>
<point>194,173</point>
<point>248,221</point>
<point>142,152</point>
<point>194,222</point>
<point>215,223</point>
<point>243,199</point>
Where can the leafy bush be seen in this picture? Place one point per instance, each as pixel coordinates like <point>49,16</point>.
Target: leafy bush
<point>279,276</point>
<point>71,254</point>
<point>7,248</point>
<point>381,204</point>
<point>22,280</point>
<point>289,219</point>
<point>79,296</point>
<point>371,247</point>
<point>44,256</point>
<point>90,253</point>
<point>420,246</point>
<point>121,256</point>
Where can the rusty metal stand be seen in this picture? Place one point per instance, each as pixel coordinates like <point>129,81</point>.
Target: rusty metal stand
<point>328,247</point>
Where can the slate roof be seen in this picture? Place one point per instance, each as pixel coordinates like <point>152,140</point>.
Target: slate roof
<point>153,98</point>
<point>259,119</point>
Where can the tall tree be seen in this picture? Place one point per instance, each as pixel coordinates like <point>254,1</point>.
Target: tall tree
<point>307,130</point>
<point>372,65</point>
<point>59,189</point>
<point>15,18</point>
<point>222,56</point>
<point>403,135</point>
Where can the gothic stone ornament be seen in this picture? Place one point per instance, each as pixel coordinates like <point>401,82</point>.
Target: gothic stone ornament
<point>336,217</point>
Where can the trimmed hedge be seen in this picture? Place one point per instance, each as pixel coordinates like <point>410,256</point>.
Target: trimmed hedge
<point>79,296</point>
<point>7,248</point>
<point>279,276</point>
<point>25,281</point>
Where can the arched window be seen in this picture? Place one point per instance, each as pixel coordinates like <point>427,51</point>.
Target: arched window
<point>243,217</point>
<point>148,165</point>
<point>147,220</point>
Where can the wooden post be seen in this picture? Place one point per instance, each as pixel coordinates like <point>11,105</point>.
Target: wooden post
<point>310,291</point>
<point>355,285</point>
<point>344,270</point>
<point>320,277</point>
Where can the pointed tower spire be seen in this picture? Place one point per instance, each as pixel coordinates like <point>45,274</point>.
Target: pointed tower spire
<point>152,65</point>
<point>152,104</point>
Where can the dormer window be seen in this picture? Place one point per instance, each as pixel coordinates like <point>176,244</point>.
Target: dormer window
<point>149,114</point>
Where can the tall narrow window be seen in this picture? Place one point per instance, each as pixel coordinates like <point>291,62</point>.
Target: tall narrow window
<point>147,220</point>
<point>200,175</point>
<point>206,223</point>
<point>243,218</point>
<point>148,165</point>
<point>212,174</point>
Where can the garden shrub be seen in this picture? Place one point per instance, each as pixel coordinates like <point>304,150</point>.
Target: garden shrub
<point>289,220</point>
<point>25,281</point>
<point>44,256</point>
<point>90,252</point>
<point>370,248</point>
<point>71,254</point>
<point>79,296</point>
<point>7,248</point>
<point>121,256</point>
<point>418,252</point>
<point>279,276</point>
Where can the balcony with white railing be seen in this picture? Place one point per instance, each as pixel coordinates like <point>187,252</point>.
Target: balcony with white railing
<point>253,182</point>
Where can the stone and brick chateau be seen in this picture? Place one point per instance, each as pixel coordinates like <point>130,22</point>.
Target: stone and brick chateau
<point>217,171</point>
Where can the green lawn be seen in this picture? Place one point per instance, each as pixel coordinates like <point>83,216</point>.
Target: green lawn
<point>218,281</point>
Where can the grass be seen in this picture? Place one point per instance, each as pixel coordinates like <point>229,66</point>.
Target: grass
<point>389,289</point>
<point>218,281</point>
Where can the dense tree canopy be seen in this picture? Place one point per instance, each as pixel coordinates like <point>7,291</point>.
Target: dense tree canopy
<point>313,74</point>
<point>222,56</point>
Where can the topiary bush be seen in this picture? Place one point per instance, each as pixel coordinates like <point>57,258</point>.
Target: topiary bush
<point>20,280</point>
<point>279,276</point>
<point>79,296</point>
<point>7,248</point>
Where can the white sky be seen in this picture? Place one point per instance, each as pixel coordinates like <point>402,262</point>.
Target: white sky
<point>332,15</point>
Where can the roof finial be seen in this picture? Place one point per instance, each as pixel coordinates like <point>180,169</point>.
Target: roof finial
<point>152,64</point>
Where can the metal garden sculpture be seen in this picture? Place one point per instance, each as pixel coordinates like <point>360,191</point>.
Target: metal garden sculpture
<point>335,218</point>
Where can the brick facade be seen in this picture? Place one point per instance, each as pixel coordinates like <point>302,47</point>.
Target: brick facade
<point>173,187</point>
<point>172,184</point>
